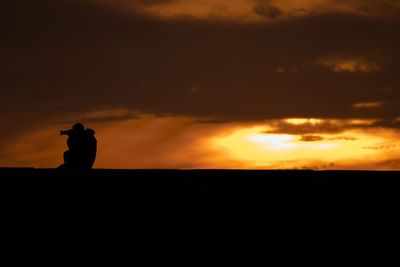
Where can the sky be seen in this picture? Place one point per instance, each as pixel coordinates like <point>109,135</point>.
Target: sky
<point>238,84</point>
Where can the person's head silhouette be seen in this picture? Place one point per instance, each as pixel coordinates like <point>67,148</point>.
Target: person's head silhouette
<point>78,128</point>
<point>90,132</point>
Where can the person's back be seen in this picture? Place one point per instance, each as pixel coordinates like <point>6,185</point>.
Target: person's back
<point>90,148</point>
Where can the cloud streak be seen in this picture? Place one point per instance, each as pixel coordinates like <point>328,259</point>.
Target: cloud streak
<point>255,11</point>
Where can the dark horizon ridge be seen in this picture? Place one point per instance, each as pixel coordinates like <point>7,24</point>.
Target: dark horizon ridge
<point>199,170</point>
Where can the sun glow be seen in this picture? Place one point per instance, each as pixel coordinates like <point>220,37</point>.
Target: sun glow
<point>273,141</point>
<point>181,142</point>
<point>261,149</point>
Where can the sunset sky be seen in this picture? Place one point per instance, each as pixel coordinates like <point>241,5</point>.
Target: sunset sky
<point>240,84</point>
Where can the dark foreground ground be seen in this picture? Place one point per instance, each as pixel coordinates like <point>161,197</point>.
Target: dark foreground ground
<point>199,218</point>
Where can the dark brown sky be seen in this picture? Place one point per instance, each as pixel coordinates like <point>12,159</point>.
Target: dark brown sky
<point>251,61</point>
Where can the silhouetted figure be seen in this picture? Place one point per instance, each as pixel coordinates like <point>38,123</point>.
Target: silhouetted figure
<point>82,147</point>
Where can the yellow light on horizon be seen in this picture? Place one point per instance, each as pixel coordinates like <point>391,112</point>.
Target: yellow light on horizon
<point>299,121</point>
<point>273,141</point>
<point>180,142</point>
<point>264,150</point>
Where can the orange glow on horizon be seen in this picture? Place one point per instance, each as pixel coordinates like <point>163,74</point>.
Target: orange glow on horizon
<point>263,150</point>
<point>181,142</point>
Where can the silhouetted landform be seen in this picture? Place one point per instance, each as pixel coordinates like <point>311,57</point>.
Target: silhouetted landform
<point>200,217</point>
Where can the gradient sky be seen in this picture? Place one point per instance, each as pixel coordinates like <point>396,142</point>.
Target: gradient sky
<point>203,83</point>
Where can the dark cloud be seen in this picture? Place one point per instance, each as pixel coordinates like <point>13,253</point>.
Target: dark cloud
<point>388,123</point>
<point>63,57</point>
<point>381,147</point>
<point>268,11</point>
<point>311,138</point>
<point>346,138</point>
<point>386,8</point>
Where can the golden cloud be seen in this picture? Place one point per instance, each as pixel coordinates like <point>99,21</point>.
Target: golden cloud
<point>368,105</point>
<point>348,65</point>
<point>253,10</point>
